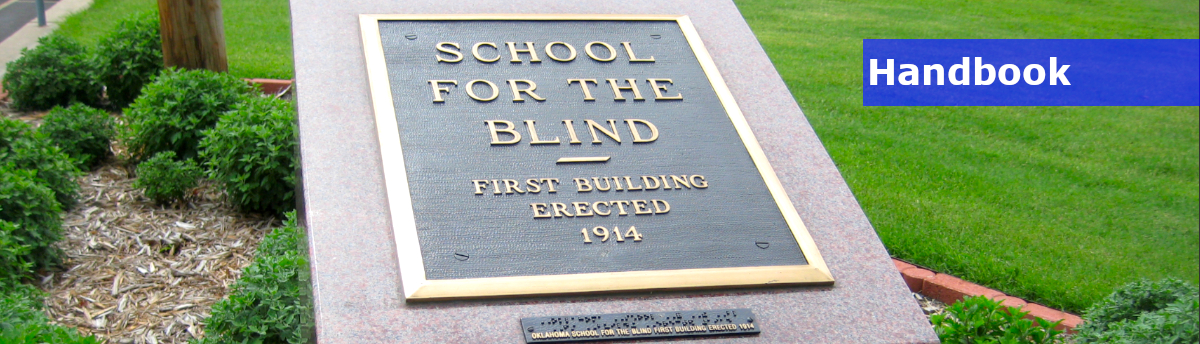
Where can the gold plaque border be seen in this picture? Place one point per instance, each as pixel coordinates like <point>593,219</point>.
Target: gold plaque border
<point>408,249</point>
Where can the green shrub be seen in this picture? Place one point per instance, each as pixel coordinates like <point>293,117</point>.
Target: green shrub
<point>82,132</point>
<point>14,261</point>
<point>978,319</point>
<point>22,320</point>
<point>1177,323</point>
<point>31,150</point>
<point>32,208</point>
<point>20,303</point>
<point>1144,312</point>
<point>59,71</point>
<point>165,180</point>
<point>174,110</point>
<point>251,151</point>
<point>272,301</point>
<point>130,57</point>
<point>11,130</point>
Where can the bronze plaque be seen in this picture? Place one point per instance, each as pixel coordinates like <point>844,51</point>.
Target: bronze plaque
<point>556,154</point>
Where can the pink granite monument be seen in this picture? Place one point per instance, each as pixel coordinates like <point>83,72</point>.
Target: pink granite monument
<point>537,171</point>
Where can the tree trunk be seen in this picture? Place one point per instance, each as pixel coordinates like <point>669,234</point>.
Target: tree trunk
<point>193,34</point>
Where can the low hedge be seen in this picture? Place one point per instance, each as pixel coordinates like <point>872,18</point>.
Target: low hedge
<point>14,261</point>
<point>978,319</point>
<point>1166,311</point>
<point>130,57</point>
<point>165,180</point>
<point>22,320</point>
<point>27,149</point>
<point>252,152</point>
<point>272,301</point>
<point>174,110</point>
<point>82,132</point>
<point>32,208</point>
<point>58,72</point>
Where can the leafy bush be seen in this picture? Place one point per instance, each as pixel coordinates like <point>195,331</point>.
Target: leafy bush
<point>1144,312</point>
<point>11,130</point>
<point>978,319</point>
<point>272,301</point>
<point>31,150</point>
<point>32,208</point>
<point>84,133</point>
<point>59,71</point>
<point>1174,324</point>
<point>19,303</point>
<point>165,180</point>
<point>252,152</point>
<point>14,264</point>
<point>22,320</point>
<point>130,57</point>
<point>174,110</point>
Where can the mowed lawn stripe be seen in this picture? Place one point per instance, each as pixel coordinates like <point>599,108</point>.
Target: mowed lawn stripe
<point>1059,205</point>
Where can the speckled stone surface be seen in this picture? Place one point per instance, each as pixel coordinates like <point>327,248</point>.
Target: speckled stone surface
<point>355,274</point>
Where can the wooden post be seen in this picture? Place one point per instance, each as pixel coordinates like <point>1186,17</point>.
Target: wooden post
<point>193,34</point>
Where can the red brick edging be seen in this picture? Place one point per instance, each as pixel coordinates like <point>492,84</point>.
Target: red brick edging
<point>950,289</point>
<point>270,86</point>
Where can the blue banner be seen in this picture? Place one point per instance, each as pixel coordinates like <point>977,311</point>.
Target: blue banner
<point>1031,72</point>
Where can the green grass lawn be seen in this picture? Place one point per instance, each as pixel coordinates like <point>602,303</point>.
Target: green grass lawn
<point>1059,205</point>
<point>258,40</point>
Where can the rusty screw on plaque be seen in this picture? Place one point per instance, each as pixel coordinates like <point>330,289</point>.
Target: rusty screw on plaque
<point>530,329</point>
<point>461,257</point>
<point>762,244</point>
<point>410,36</point>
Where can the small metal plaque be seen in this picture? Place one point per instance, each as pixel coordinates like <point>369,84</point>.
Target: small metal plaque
<point>560,154</point>
<point>620,326</point>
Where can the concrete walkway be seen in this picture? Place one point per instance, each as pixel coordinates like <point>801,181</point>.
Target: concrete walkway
<point>26,35</point>
<point>16,13</point>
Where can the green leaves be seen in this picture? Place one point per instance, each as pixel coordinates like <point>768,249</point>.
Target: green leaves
<point>81,132</point>
<point>165,180</point>
<point>175,109</point>
<point>272,301</point>
<point>31,150</point>
<point>59,71</point>
<point>22,320</point>
<point>130,57</point>
<point>978,319</point>
<point>11,130</point>
<point>36,179</point>
<point>1166,311</point>
<point>31,207</point>
<point>251,151</point>
<point>14,262</point>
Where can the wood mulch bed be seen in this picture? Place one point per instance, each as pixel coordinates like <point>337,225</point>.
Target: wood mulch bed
<point>137,272</point>
<point>928,305</point>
